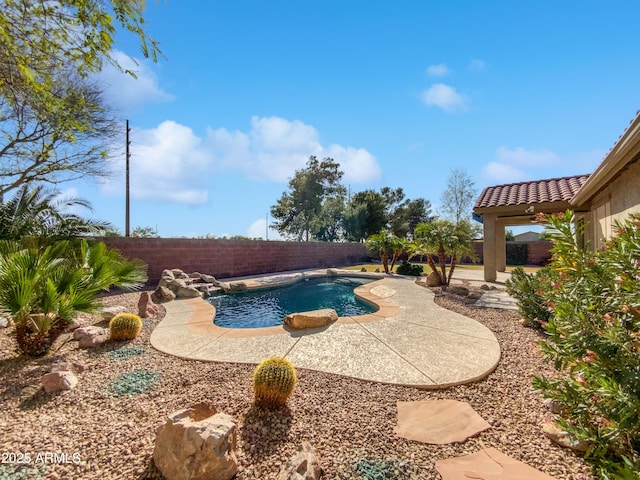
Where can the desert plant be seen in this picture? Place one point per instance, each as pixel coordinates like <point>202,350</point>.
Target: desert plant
<point>594,342</point>
<point>406,268</point>
<point>273,382</point>
<point>517,254</point>
<point>125,326</point>
<point>42,289</point>
<point>529,289</point>
<point>387,246</point>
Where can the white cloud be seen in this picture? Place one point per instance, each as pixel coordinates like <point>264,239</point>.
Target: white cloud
<point>498,173</point>
<point>477,65</point>
<point>444,96</point>
<point>439,70</point>
<point>274,148</point>
<point>167,163</point>
<point>126,92</point>
<point>258,230</point>
<point>526,158</point>
<point>171,163</point>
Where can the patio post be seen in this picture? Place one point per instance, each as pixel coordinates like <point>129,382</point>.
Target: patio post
<point>489,247</point>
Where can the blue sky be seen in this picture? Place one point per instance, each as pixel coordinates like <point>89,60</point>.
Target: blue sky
<point>398,92</point>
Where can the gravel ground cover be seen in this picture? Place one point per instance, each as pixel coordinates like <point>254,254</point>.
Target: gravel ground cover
<point>105,427</point>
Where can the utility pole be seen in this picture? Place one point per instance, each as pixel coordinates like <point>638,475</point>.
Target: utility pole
<point>127,225</point>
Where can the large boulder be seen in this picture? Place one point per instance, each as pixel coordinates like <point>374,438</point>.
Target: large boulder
<point>146,307</point>
<point>311,319</point>
<point>304,465</point>
<point>197,444</point>
<point>433,280</point>
<point>166,278</point>
<point>162,294</point>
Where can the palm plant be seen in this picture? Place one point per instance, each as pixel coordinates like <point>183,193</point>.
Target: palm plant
<point>444,238</point>
<point>43,289</point>
<point>385,244</point>
<point>45,216</point>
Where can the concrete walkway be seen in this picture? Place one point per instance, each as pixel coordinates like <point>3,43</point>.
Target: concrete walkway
<point>409,341</point>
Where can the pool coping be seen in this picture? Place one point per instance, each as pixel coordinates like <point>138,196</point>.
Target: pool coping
<point>409,341</point>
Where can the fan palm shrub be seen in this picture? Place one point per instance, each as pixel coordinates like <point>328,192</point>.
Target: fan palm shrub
<point>42,289</point>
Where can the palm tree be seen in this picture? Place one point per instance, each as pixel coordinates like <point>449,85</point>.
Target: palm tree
<point>444,238</point>
<point>44,216</point>
<point>43,288</point>
<point>385,244</point>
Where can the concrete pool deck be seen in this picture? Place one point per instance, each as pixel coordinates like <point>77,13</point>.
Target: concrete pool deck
<point>409,341</point>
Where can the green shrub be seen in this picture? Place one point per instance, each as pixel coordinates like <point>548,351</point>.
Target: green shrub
<point>594,342</point>
<point>406,268</point>
<point>125,326</point>
<point>273,382</point>
<point>517,254</point>
<point>528,289</point>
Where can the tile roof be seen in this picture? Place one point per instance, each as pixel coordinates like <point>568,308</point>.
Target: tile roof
<point>523,193</point>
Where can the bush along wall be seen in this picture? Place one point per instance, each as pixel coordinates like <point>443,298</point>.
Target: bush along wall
<point>594,342</point>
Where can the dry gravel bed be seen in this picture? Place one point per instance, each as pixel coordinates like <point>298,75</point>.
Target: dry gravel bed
<point>346,420</point>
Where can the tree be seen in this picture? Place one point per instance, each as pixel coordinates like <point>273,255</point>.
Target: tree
<point>385,244</point>
<point>444,238</point>
<point>509,236</point>
<point>406,216</point>
<point>297,212</point>
<point>365,215</point>
<point>145,232</point>
<point>457,200</point>
<point>48,51</point>
<point>44,145</point>
<point>45,216</point>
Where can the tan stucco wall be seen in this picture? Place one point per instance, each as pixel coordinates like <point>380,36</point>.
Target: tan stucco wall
<point>623,194</point>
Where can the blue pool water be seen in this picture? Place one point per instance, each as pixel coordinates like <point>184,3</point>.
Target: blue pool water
<point>266,308</point>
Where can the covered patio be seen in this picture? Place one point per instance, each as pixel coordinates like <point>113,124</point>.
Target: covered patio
<point>515,204</point>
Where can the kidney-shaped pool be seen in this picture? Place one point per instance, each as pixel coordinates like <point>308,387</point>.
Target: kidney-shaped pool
<point>268,307</point>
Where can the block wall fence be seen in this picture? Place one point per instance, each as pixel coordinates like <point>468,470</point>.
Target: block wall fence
<point>538,252</point>
<point>234,258</point>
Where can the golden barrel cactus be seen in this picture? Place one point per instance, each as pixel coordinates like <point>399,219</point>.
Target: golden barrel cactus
<point>125,326</point>
<point>273,382</point>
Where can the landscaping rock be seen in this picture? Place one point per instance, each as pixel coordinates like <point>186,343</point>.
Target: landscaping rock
<point>4,321</point>
<point>209,279</point>
<point>197,444</point>
<point>109,312</point>
<point>304,465</point>
<point>475,295</point>
<point>557,435</point>
<point>90,336</point>
<point>552,405</point>
<point>188,292</point>
<point>363,269</point>
<point>458,290</point>
<point>311,319</point>
<point>433,280</point>
<point>162,294</point>
<point>146,307</point>
<point>66,366</point>
<point>58,381</point>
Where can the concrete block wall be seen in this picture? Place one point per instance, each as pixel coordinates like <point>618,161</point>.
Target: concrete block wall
<point>538,252</point>
<point>234,258</point>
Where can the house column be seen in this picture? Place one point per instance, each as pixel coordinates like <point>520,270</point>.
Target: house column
<point>501,248</point>
<point>489,247</point>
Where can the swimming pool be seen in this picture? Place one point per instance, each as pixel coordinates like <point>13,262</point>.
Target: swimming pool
<point>268,307</point>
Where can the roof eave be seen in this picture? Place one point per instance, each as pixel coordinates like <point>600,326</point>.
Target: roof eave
<point>622,153</point>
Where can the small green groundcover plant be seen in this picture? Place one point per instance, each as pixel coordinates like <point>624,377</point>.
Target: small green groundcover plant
<point>133,383</point>
<point>381,469</point>
<point>594,342</point>
<point>24,471</point>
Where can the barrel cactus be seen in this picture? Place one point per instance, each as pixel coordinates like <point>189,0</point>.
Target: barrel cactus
<point>273,382</point>
<point>125,326</point>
